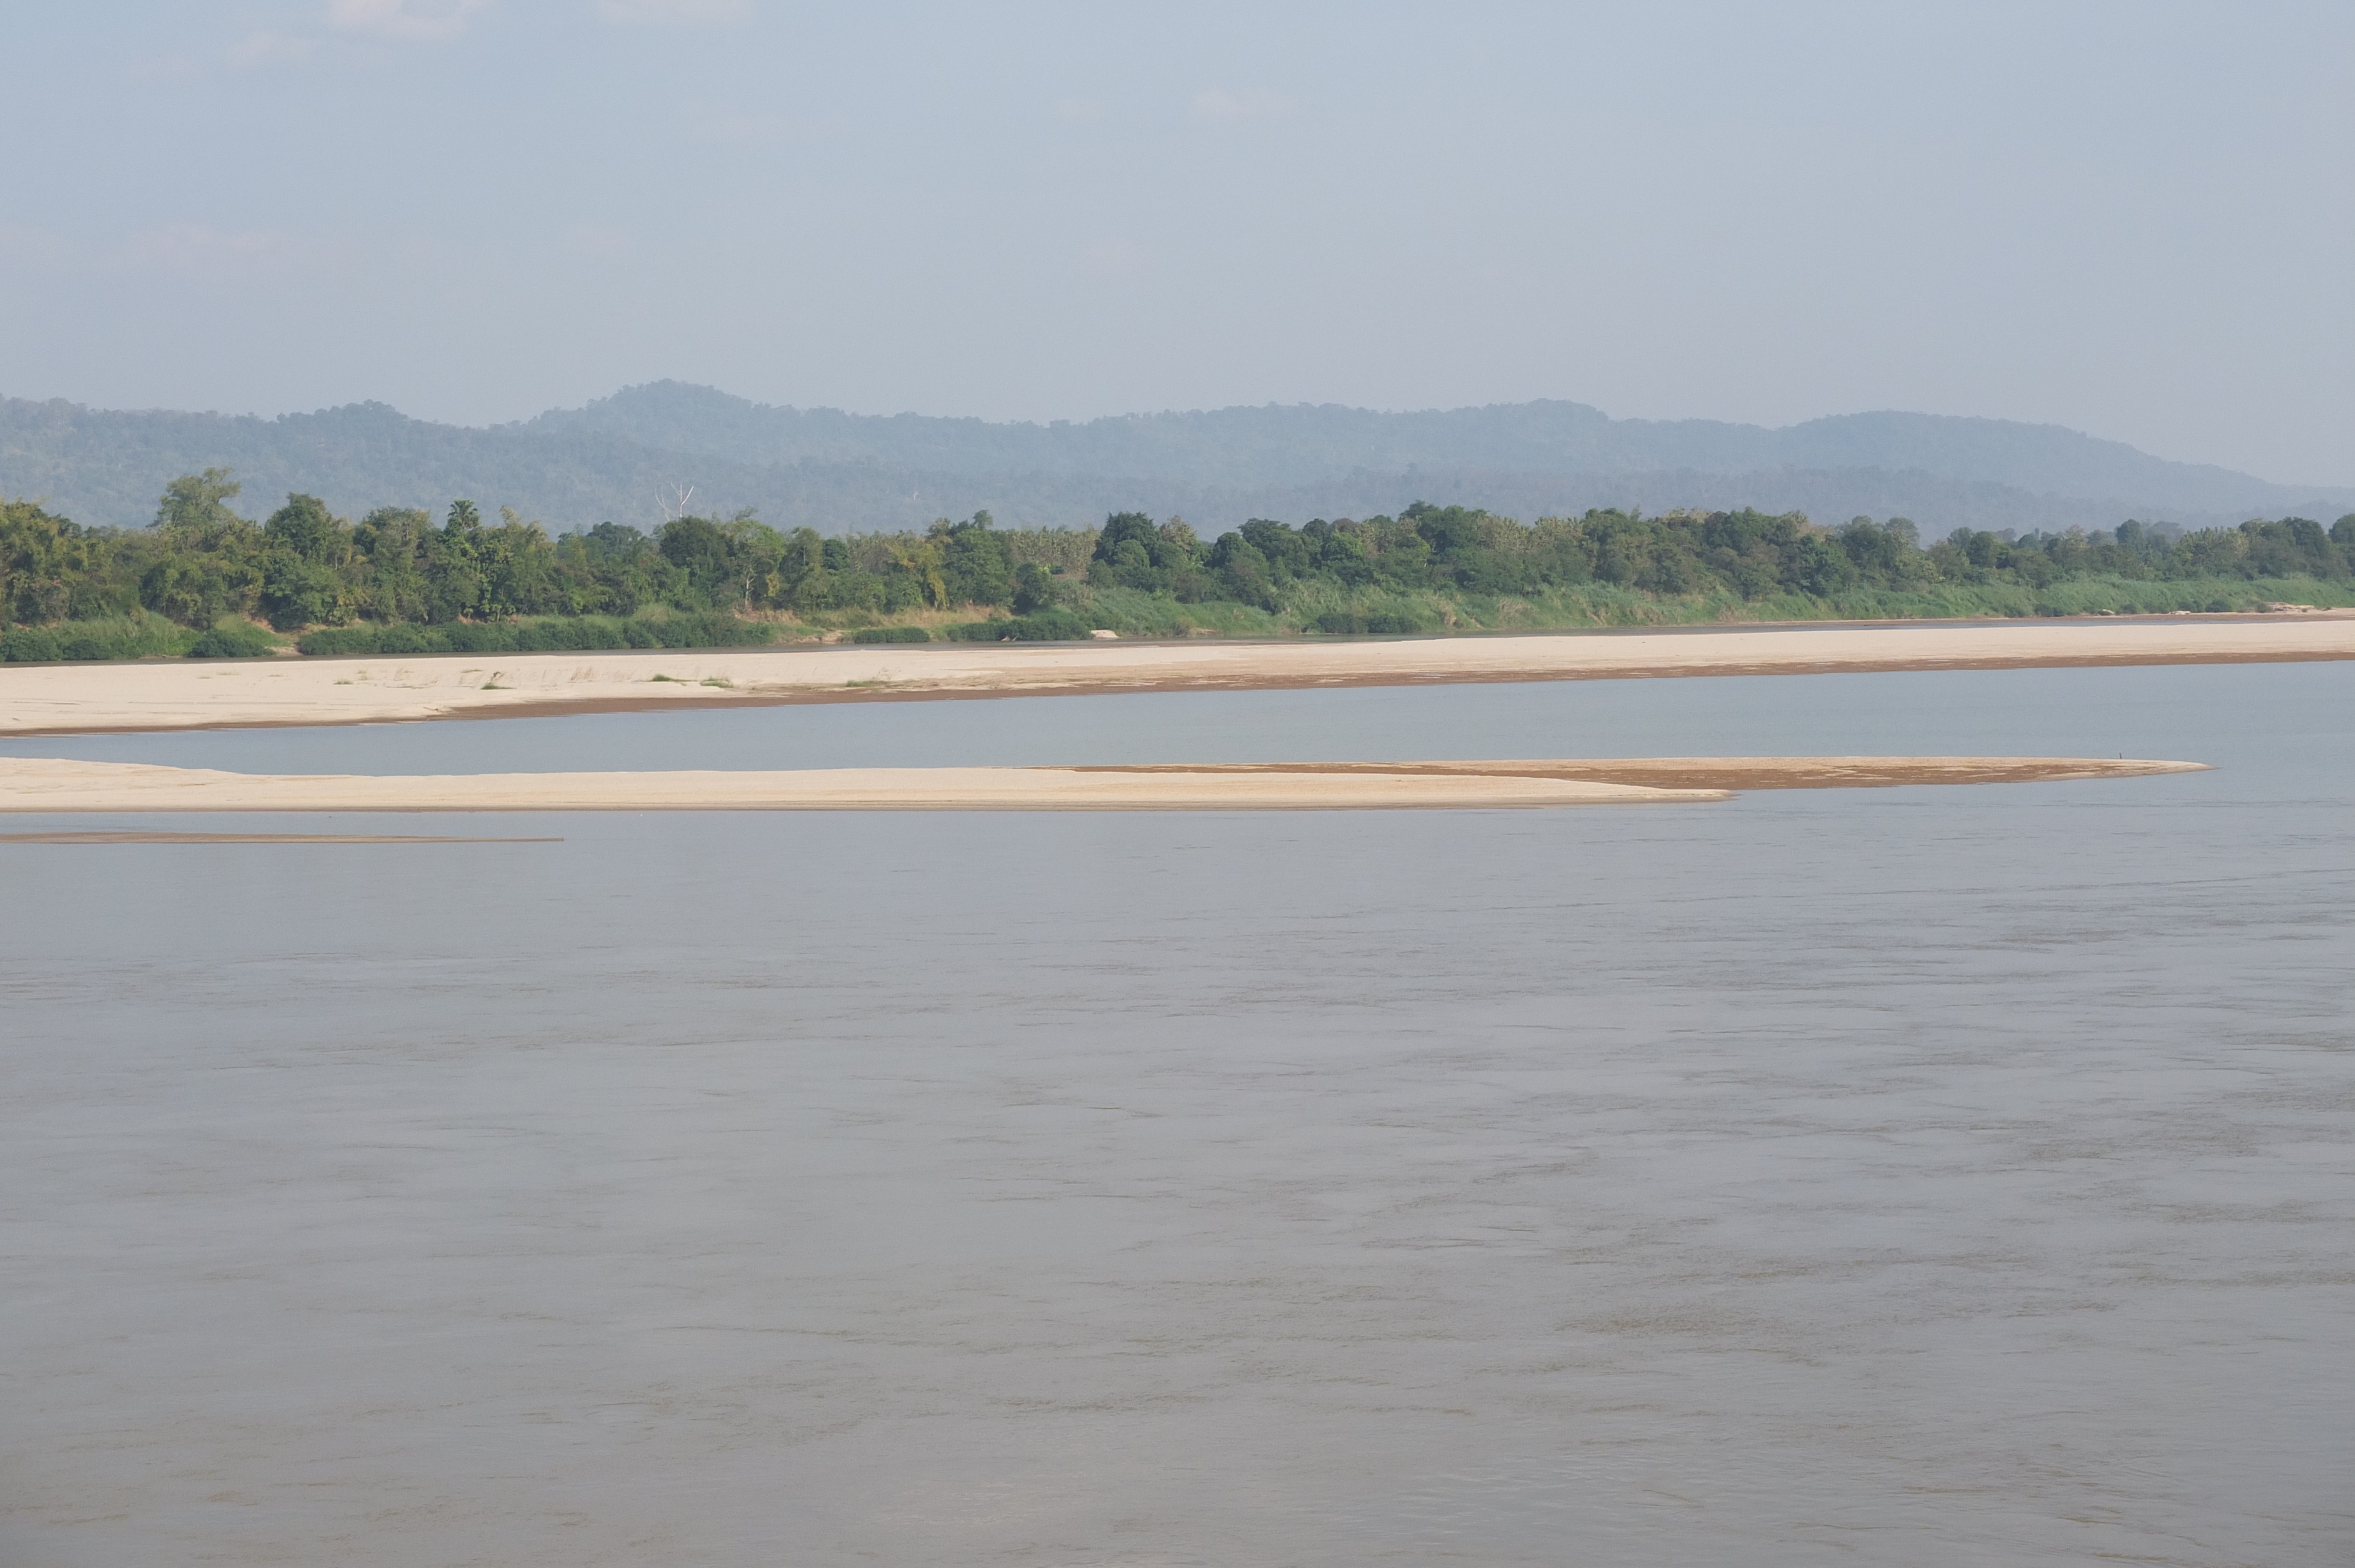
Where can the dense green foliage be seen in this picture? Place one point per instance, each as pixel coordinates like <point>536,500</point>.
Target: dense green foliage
<point>551,634</point>
<point>1747,554</point>
<point>1046,626</point>
<point>199,580</point>
<point>302,566</point>
<point>138,636</point>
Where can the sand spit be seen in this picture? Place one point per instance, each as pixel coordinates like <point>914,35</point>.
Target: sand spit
<point>30,784</point>
<point>1735,772</point>
<point>39,699</point>
<point>137,836</point>
<point>42,785</point>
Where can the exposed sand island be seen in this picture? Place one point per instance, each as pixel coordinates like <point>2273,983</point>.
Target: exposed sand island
<point>31,784</point>
<point>148,836</point>
<point>50,699</point>
<point>1727,772</point>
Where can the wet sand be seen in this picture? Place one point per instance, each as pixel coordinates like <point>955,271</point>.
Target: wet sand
<point>140,836</point>
<point>1734,772</point>
<point>184,694</point>
<point>47,785</point>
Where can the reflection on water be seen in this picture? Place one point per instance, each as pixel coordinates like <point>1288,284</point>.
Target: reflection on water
<point>1923,1176</point>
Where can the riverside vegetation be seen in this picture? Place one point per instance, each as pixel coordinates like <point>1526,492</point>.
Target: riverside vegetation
<point>203,581</point>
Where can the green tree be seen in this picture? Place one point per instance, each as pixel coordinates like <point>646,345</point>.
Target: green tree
<point>396,542</point>
<point>974,564</point>
<point>1034,589</point>
<point>306,550</point>
<point>41,559</point>
<point>454,574</point>
<point>194,512</point>
<point>518,568</point>
<point>304,529</point>
<point>919,563</point>
<point>704,555</point>
<point>205,561</point>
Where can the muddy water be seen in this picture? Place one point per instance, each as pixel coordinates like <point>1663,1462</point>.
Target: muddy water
<point>1910,1176</point>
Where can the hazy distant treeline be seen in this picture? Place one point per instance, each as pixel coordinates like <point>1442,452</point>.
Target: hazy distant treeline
<point>839,472</point>
<point>1746,553</point>
<point>201,564</point>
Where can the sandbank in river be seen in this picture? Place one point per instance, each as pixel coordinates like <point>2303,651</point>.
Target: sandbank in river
<point>50,785</point>
<point>201,694</point>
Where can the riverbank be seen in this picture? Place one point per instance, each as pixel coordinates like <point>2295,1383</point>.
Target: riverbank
<point>47,785</point>
<point>111,698</point>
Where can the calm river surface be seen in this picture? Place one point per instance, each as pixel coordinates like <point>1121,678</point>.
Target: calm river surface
<point>1923,1176</point>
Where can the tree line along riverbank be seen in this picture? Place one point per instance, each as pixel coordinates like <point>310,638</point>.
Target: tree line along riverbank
<point>204,581</point>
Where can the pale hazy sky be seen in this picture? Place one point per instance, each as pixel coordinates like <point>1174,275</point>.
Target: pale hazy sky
<point>2136,219</point>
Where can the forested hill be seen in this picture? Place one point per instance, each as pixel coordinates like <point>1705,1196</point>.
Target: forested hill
<point>1303,444</point>
<point>626,457</point>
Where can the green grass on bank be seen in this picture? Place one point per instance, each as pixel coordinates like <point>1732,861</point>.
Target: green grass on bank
<point>141,635</point>
<point>1319,608</point>
<point>1313,608</point>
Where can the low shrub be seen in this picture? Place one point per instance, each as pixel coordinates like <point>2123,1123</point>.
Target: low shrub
<point>1356,622</point>
<point>1047,626</point>
<point>349,640</point>
<point>892,634</point>
<point>139,635</point>
<point>30,646</point>
<point>568,634</point>
<point>233,640</point>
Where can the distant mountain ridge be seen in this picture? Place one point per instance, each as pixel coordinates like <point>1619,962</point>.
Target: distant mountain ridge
<point>622,458</point>
<point>1279,445</point>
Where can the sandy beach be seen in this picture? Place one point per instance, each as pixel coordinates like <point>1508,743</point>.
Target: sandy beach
<point>47,785</point>
<point>186,695</point>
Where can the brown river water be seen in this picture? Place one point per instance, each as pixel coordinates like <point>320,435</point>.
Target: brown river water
<point>1916,1176</point>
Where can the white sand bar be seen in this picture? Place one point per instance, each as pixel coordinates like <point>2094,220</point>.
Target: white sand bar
<point>1732,772</point>
<point>30,784</point>
<point>45,784</point>
<point>37,699</point>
